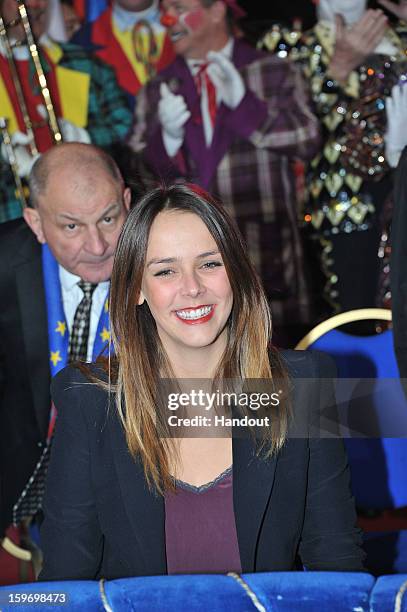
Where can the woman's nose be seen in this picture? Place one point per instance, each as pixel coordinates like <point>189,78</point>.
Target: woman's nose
<point>192,285</point>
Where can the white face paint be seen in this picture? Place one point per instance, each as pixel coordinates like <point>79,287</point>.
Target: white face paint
<point>351,10</point>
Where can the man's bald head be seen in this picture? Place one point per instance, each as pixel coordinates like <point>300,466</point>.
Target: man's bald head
<point>81,163</point>
<point>79,206</point>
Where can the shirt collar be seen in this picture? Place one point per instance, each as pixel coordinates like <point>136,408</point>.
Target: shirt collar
<point>125,20</point>
<point>69,280</point>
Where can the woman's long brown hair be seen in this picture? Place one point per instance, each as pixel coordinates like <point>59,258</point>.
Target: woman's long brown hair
<point>140,359</point>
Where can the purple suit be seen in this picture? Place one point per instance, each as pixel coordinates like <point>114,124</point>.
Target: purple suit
<point>249,164</point>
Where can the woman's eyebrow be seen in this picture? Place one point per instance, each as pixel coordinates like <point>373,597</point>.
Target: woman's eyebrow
<point>157,260</point>
<point>207,254</point>
<point>167,260</point>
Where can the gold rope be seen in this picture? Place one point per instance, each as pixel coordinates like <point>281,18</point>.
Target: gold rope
<point>248,591</point>
<point>399,597</point>
<point>105,603</point>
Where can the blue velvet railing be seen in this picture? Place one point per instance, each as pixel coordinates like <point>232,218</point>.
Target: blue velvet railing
<point>272,592</point>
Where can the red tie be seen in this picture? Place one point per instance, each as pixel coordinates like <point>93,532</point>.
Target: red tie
<point>200,77</point>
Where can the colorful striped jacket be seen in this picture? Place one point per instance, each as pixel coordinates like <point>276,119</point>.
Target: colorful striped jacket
<point>86,92</point>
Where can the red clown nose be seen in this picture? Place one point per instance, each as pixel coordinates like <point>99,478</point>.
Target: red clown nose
<point>168,20</point>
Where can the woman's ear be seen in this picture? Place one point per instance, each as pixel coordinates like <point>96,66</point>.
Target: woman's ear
<point>141,299</point>
<point>127,198</point>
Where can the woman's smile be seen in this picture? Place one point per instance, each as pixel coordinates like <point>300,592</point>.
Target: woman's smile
<point>196,315</point>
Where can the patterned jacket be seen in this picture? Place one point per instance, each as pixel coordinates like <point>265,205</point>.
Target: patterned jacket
<point>87,94</point>
<point>349,182</point>
<point>249,165</point>
<point>354,123</point>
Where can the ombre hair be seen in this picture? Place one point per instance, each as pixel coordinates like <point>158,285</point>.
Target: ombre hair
<point>140,359</point>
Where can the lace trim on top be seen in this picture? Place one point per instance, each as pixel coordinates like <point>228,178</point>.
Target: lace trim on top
<point>202,488</point>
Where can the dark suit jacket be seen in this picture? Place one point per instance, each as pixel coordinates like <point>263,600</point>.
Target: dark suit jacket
<point>102,521</point>
<point>24,372</point>
<point>398,267</point>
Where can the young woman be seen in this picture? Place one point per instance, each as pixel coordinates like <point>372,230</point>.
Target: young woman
<point>126,496</point>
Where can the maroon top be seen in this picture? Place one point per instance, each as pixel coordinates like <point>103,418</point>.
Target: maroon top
<point>200,528</point>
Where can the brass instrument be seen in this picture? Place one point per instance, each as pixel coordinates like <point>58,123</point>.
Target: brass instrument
<point>51,116</point>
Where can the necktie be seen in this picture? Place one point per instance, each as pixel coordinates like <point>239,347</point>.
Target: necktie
<point>202,77</point>
<point>78,341</point>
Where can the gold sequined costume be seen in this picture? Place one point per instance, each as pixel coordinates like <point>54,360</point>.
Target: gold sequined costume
<point>349,182</point>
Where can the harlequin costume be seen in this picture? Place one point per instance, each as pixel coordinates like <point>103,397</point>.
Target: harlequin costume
<point>84,91</point>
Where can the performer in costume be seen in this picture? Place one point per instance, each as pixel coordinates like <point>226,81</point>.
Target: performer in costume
<point>353,60</point>
<point>129,36</point>
<point>84,91</point>
<point>234,120</point>
<point>80,203</point>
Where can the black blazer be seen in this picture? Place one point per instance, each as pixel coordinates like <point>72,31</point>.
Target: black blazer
<point>24,361</point>
<point>102,521</point>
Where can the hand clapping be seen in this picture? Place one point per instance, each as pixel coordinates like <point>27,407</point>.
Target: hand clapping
<point>353,45</point>
<point>227,80</point>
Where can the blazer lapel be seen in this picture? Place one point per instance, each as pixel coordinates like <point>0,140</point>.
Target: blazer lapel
<point>253,479</point>
<point>144,509</point>
<point>30,292</point>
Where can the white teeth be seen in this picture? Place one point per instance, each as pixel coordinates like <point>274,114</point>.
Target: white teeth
<point>194,314</point>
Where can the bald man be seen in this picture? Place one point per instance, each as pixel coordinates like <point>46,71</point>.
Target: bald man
<point>58,257</point>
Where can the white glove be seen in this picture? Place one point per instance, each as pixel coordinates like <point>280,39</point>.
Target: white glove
<point>70,132</point>
<point>228,83</point>
<point>396,135</point>
<point>73,133</point>
<point>24,159</point>
<point>173,114</point>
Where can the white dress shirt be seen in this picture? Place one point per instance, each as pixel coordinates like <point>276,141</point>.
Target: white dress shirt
<point>194,66</point>
<point>173,144</point>
<point>71,297</point>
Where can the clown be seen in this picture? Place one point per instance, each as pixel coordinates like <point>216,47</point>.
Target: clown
<point>129,37</point>
<point>234,120</point>
<point>89,105</point>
